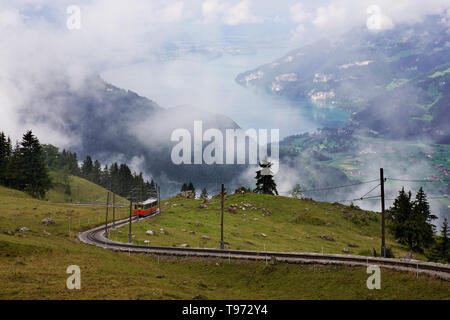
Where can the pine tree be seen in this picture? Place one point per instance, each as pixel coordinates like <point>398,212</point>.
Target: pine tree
<point>441,250</point>
<point>411,220</point>
<point>424,229</point>
<point>184,187</point>
<point>87,168</point>
<point>96,173</point>
<point>204,194</point>
<point>35,178</point>
<point>264,179</point>
<point>191,187</point>
<point>400,216</point>
<point>3,158</point>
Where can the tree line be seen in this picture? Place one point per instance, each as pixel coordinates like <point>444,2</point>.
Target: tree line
<point>23,166</point>
<point>27,165</point>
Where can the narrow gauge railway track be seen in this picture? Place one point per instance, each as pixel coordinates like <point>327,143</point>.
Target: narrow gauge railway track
<point>96,237</point>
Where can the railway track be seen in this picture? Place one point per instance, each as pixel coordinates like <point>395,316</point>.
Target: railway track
<point>96,236</point>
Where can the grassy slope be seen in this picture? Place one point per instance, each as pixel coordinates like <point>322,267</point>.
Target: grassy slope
<point>82,191</point>
<point>33,265</point>
<point>293,225</point>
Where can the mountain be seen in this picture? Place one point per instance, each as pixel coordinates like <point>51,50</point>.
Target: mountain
<point>113,124</point>
<point>395,82</point>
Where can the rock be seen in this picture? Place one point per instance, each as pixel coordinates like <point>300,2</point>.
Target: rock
<point>146,241</point>
<point>408,256</point>
<point>196,297</point>
<point>186,194</point>
<point>250,243</point>
<point>160,276</point>
<point>23,229</point>
<point>48,221</point>
<point>352,245</point>
<point>232,209</point>
<point>363,233</point>
<point>184,245</point>
<point>183,230</point>
<point>47,233</point>
<point>198,224</point>
<point>326,237</point>
<point>206,237</point>
<point>8,232</point>
<point>202,206</point>
<point>191,232</point>
<point>263,235</point>
<point>150,232</point>
<point>346,250</point>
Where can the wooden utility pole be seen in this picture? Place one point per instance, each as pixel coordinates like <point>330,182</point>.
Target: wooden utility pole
<point>114,210</point>
<point>221,219</point>
<point>106,222</point>
<point>130,239</point>
<point>159,198</point>
<point>383,231</point>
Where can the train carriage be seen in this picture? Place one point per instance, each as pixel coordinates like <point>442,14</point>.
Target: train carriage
<point>146,208</point>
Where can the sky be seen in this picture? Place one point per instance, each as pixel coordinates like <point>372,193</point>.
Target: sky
<point>38,49</point>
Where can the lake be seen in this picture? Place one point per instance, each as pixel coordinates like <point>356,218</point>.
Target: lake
<point>193,79</point>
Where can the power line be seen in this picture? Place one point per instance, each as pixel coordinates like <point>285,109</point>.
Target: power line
<point>370,191</point>
<point>426,181</point>
<point>336,187</point>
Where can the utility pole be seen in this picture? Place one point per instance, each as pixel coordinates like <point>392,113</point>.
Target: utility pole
<point>106,223</point>
<point>130,239</point>
<point>221,219</point>
<point>383,231</point>
<point>114,210</point>
<point>159,197</point>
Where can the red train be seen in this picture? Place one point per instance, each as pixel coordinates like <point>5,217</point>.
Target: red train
<point>146,208</point>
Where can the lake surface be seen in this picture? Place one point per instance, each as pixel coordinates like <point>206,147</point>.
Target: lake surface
<point>210,84</point>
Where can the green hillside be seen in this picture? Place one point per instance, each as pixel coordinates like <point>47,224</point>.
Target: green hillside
<point>265,222</point>
<point>81,191</point>
<point>33,265</point>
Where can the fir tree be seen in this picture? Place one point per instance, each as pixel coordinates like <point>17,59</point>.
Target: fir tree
<point>87,168</point>
<point>204,194</point>
<point>97,173</point>
<point>410,221</point>
<point>264,179</point>
<point>191,187</point>
<point>34,178</point>
<point>400,215</point>
<point>3,158</point>
<point>441,250</point>
<point>424,229</point>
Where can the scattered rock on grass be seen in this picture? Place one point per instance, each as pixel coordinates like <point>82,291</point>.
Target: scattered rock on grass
<point>326,237</point>
<point>206,237</point>
<point>8,232</point>
<point>48,221</point>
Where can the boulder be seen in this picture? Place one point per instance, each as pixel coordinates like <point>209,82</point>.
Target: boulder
<point>48,221</point>
<point>8,232</point>
<point>186,194</point>
<point>326,237</point>
<point>150,232</point>
<point>23,229</point>
<point>345,250</point>
<point>184,245</point>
